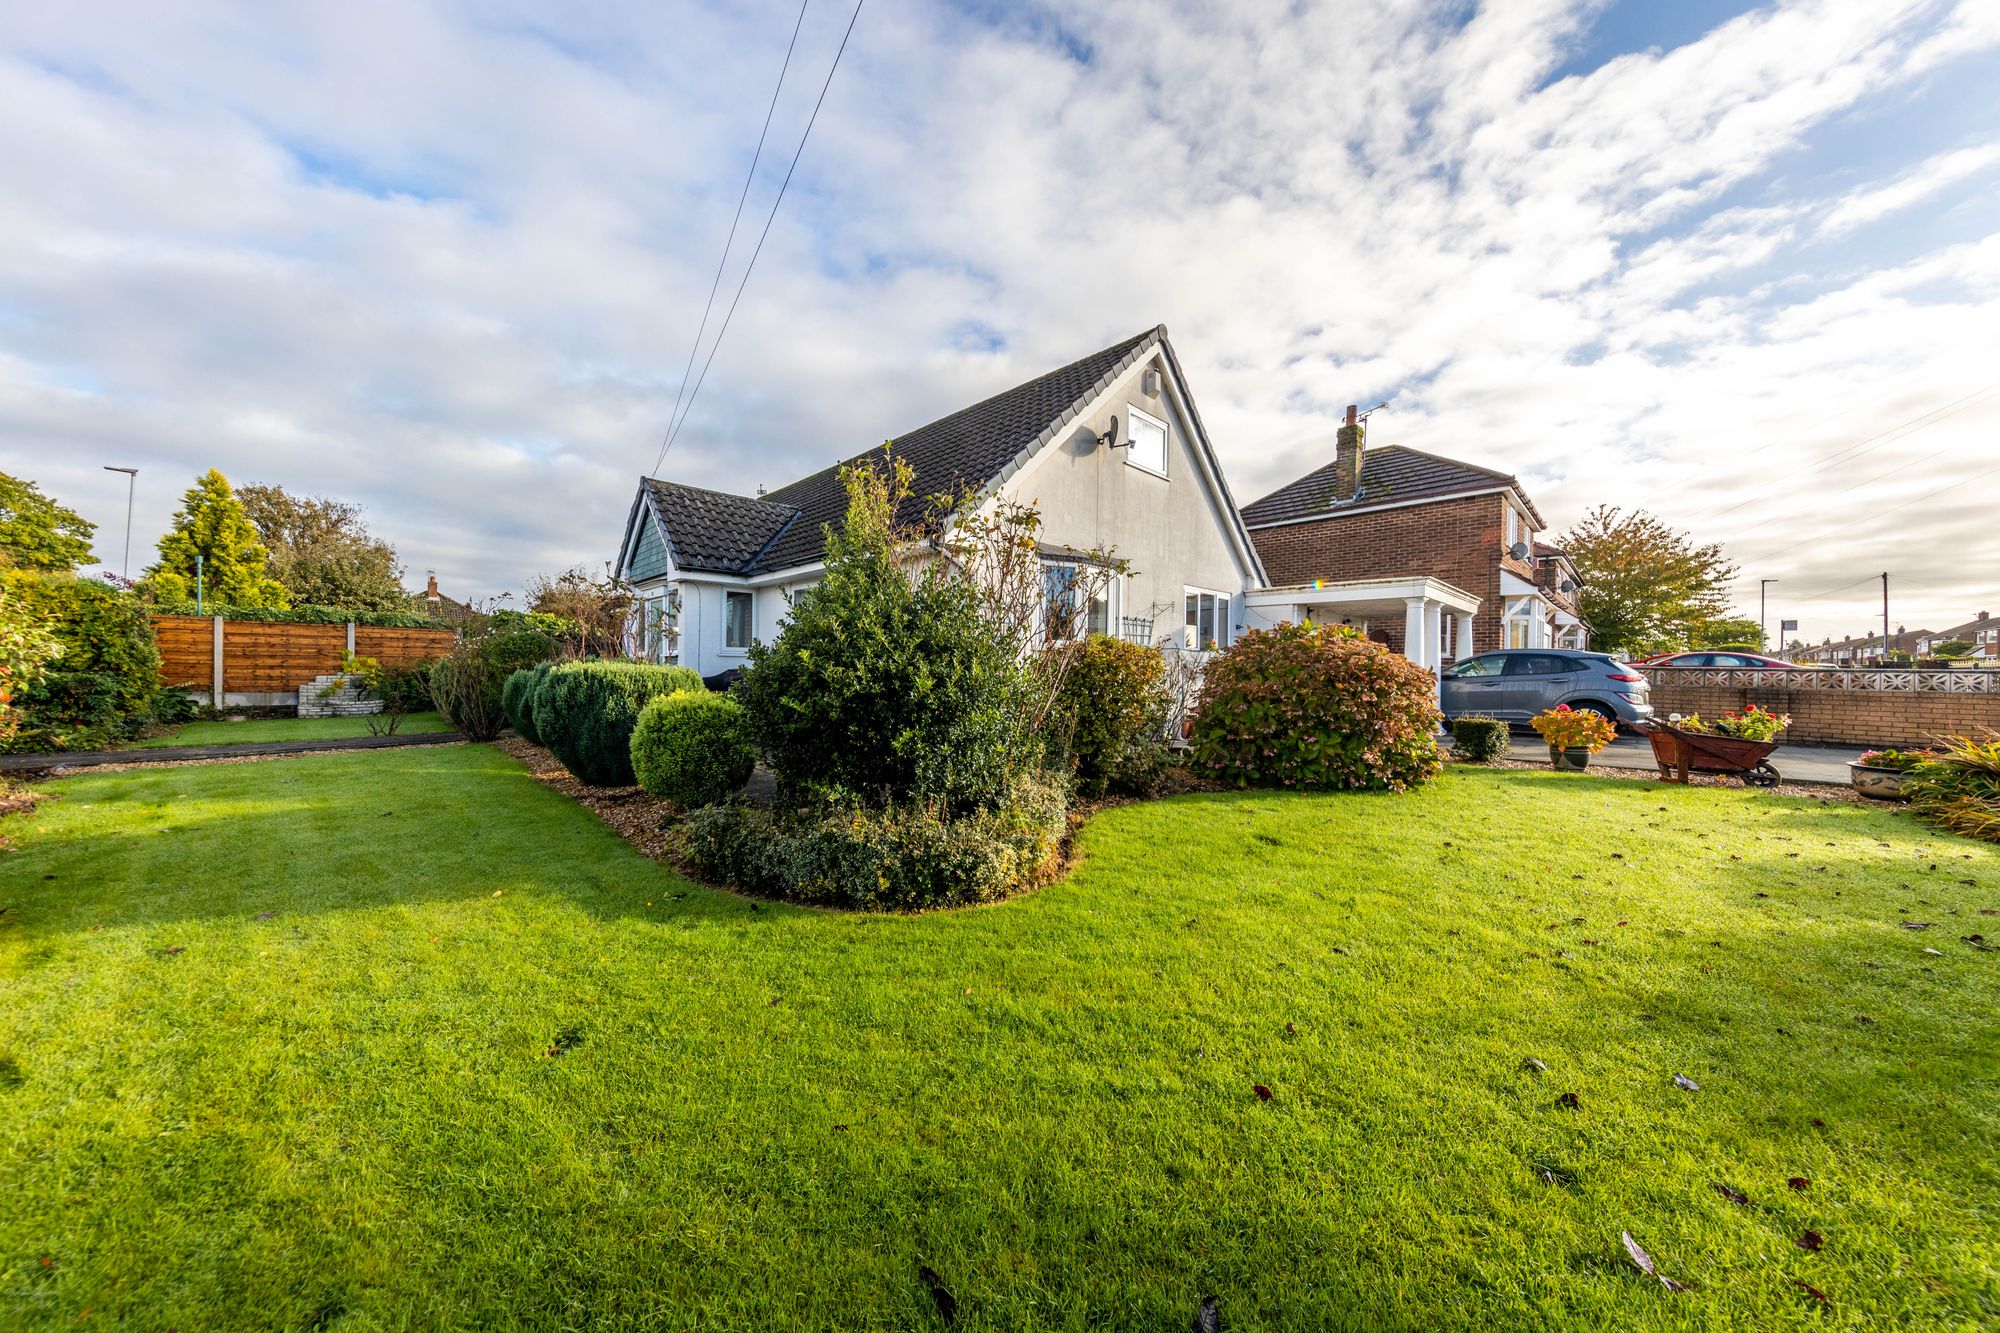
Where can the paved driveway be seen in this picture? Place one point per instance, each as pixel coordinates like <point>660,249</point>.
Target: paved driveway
<point>1796,763</point>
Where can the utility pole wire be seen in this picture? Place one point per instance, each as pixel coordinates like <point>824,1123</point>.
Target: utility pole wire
<point>721,263</point>
<point>674,430</point>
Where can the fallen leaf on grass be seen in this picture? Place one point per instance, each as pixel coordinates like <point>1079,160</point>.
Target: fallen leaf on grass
<point>1644,1263</point>
<point>941,1297</point>
<point>1735,1196</point>
<point>1534,1066</point>
<point>1810,1240</point>
<point>1916,925</point>
<point>1800,1182</point>
<point>1207,1318</point>
<point>1263,1093</point>
<point>1813,1292</point>
<point>265,916</point>
<point>1570,1100</point>
<point>1684,1082</point>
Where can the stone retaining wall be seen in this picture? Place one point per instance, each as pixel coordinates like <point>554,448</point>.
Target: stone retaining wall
<point>1839,717</point>
<point>343,702</point>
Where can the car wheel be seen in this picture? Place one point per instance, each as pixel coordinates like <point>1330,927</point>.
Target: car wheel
<point>1603,712</point>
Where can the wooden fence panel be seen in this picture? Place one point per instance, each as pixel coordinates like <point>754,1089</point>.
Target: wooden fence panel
<point>271,657</point>
<point>259,657</point>
<point>187,650</point>
<point>401,647</point>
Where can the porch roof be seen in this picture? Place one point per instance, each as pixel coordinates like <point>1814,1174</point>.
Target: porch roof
<point>1364,596</point>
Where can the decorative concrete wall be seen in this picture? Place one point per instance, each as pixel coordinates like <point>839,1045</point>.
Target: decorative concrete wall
<point>1827,710</point>
<point>317,700</point>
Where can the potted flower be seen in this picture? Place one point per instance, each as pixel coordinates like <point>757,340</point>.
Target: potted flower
<point>1573,734</point>
<point>1879,773</point>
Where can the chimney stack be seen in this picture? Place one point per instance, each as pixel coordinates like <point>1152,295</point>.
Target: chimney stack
<point>431,592</point>
<point>1347,457</point>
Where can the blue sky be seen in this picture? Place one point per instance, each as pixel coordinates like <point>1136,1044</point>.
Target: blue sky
<point>1725,262</point>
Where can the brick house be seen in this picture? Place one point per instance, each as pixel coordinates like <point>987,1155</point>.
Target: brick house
<point>1398,514</point>
<point>1982,632</point>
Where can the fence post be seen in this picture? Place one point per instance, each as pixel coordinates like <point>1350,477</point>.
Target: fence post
<point>350,638</point>
<point>215,688</point>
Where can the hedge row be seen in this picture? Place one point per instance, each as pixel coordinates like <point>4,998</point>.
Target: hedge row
<point>301,615</point>
<point>584,712</point>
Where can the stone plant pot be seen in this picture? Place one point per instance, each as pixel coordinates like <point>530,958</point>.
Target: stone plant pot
<point>1575,759</point>
<point>1881,784</point>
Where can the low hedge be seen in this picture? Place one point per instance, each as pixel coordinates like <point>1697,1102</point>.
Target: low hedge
<point>585,711</point>
<point>1479,739</point>
<point>517,700</point>
<point>902,858</point>
<point>300,615</point>
<point>693,749</point>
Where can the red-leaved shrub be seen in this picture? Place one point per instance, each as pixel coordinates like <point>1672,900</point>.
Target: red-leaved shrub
<point>1317,706</point>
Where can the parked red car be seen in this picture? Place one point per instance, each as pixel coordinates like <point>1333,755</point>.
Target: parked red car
<point>1715,659</point>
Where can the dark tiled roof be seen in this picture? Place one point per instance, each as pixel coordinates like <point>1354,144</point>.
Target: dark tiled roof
<point>969,448</point>
<point>1390,475</point>
<point>714,530</point>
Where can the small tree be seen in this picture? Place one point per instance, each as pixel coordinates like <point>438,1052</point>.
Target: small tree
<point>1952,648</point>
<point>1647,588</point>
<point>37,533</point>
<point>234,566</point>
<point>593,613</point>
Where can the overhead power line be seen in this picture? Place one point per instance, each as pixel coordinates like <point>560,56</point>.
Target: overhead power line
<point>723,262</point>
<point>674,428</point>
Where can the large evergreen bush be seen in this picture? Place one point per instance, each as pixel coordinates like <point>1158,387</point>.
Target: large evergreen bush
<point>693,749</point>
<point>101,688</point>
<point>517,700</point>
<point>1317,706</point>
<point>585,712</point>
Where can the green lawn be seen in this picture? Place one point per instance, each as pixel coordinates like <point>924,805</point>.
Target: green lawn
<point>251,731</point>
<point>403,1039</point>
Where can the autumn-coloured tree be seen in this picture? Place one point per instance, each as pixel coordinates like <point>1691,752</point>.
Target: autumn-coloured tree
<point>1646,587</point>
<point>234,566</point>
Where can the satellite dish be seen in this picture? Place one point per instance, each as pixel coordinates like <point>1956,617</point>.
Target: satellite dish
<point>1569,585</point>
<point>1110,437</point>
<point>1519,550</point>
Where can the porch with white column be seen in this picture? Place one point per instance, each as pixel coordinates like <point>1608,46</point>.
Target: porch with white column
<point>1420,607</point>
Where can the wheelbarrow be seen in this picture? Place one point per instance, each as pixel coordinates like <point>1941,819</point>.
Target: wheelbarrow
<point>1679,753</point>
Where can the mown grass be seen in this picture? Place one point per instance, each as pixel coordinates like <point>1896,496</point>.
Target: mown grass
<point>439,1051</point>
<point>254,730</point>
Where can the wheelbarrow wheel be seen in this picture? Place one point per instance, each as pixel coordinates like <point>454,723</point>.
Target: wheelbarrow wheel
<point>1761,776</point>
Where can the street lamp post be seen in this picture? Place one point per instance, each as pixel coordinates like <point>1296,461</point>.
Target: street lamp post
<point>1763,636</point>
<point>131,484</point>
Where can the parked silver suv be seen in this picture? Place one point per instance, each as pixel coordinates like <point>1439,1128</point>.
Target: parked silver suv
<point>1514,684</point>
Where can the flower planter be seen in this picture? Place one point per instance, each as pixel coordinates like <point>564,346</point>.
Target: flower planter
<point>1881,784</point>
<point>1572,760</point>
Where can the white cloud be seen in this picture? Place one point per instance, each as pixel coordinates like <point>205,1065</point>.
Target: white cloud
<point>445,260</point>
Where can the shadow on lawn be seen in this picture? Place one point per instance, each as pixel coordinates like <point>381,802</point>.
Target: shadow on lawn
<point>331,834</point>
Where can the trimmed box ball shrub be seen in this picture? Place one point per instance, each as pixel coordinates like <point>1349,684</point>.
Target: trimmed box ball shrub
<point>1110,698</point>
<point>1317,706</point>
<point>898,858</point>
<point>517,700</point>
<point>1479,739</point>
<point>585,712</point>
<point>693,749</point>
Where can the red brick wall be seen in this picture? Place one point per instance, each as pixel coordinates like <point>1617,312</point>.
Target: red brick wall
<point>1840,717</point>
<point>1458,541</point>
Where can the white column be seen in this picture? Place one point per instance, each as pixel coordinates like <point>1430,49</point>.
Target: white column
<point>1462,641</point>
<point>1434,631</point>
<point>1415,623</point>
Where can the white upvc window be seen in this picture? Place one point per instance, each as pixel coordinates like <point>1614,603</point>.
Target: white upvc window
<point>1207,618</point>
<point>1149,442</point>
<point>738,612</point>
<point>1520,623</point>
<point>1513,526</point>
<point>1065,615</point>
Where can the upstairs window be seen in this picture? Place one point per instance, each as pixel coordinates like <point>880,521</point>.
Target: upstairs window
<point>736,609</point>
<point>1149,441</point>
